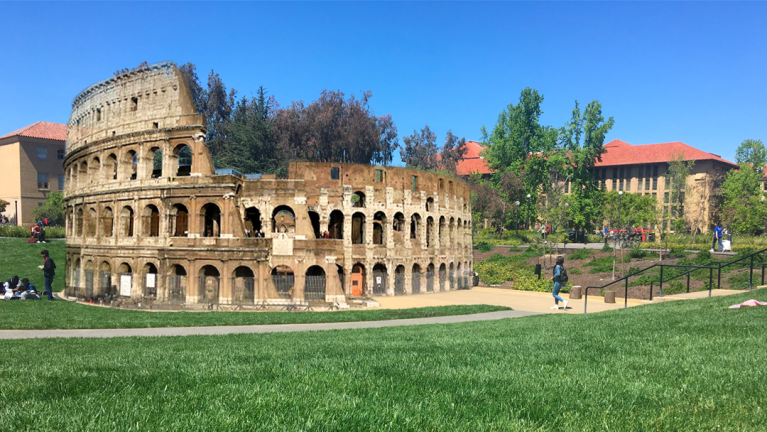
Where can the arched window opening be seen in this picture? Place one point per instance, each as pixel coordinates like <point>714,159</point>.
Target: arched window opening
<point>126,279</point>
<point>379,231</point>
<point>243,285</point>
<point>154,162</point>
<point>126,222</point>
<point>379,279</point>
<point>107,222</point>
<point>283,220</point>
<point>459,274</point>
<point>82,176</point>
<point>94,170</point>
<point>399,280</point>
<point>105,280</point>
<point>429,204</point>
<point>415,226</point>
<point>442,277</point>
<point>430,278</point>
<point>253,222</point>
<point>182,156</point>
<point>358,228</point>
<point>180,220</point>
<point>358,280</point>
<point>459,232</point>
<point>91,223</point>
<point>209,283</point>
<point>358,200</point>
<point>73,176</point>
<point>211,216</point>
<point>151,221</point>
<point>415,279</point>
<point>110,167</point>
<point>79,223</point>
<point>130,164</point>
<point>87,294</point>
<point>340,271</point>
<point>314,286</point>
<point>150,281</point>
<point>336,225</point>
<point>442,230</point>
<point>451,230</point>
<point>69,227</point>
<point>429,231</point>
<point>76,275</point>
<point>283,279</point>
<point>314,218</point>
<point>398,224</point>
<point>177,281</point>
<point>451,277</point>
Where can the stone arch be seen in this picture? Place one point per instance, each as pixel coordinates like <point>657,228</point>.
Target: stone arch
<point>151,216</point>
<point>243,285</point>
<point>283,220</point>
<point>451,277</point>
<point>415,226</point>
<point>380,278</point>
<point>398,222</point>
<point>177,283</point>
<point>110,167</point>
<point>107,222</point>
<point>179,218</point>
<point>429,231</point>
<point>415,279</point>
<point>314,283</point>
<point>89,280</point>
<point>105,279</point>
<point>442,230</point>
<point>459,275</point>
<point>182,160</point>
<point>82,175</point>
<point>379,228</point>
<point>442,277</point>
<point>130,165</point>
<point>358,199</point>
<point>429,204</point>
<point>430,277</point>
<point>314,218</point>
<point>399,280</point>
<point>125,274</point>
<point>358,228</point>
<point>91,223</point>
<point>253,222</point>
<point>283,279</point>
<point>336,225</point>
<point>209,283</point>
<point>73,175</point>
<point>149,279</point>
<point>153,162</point>
<point>94,170</point>
<point>79,222</point>
<point>126,221</point>
<point>451,230</point>
<point>210,214</point>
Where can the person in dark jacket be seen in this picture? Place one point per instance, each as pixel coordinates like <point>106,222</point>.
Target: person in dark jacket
<point>49,271</point>
<point>27,291</point>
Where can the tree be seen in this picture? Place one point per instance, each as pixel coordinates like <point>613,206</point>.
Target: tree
<point>420,150</point>
<point>752,152</point>
<point>199,97</point>
<point>745,209</point>
<point>52,208</point>
<point>452,152</point>
<point>218,110</point>
<point>3,204</point>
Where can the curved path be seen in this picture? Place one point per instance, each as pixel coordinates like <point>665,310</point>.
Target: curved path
<point>274,328</point>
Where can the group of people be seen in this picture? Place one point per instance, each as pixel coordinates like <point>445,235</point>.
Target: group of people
<point>4,220</point>
<point>20,288</point>
<point>257,234</point>
<point>38,232</point>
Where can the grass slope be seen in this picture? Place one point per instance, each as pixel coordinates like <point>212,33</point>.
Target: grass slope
<point>684,365</point>
<point>19,314</point>
<point>21,258</point>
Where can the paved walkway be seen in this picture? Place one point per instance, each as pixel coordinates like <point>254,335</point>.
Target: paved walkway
<point>277,328</point>
<point>599,246</point>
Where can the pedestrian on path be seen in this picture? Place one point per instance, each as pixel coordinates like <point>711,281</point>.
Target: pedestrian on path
<point>49,271</point>
<point>560,277</point>
<point>717,238</point>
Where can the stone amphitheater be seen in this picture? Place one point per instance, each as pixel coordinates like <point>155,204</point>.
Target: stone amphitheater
<point>149,218</point>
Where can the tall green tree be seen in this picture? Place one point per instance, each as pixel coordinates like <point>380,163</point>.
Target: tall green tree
<point>52,208</point>
<point>752,152</point>
<point>745,207</point>
<point>453,150</point>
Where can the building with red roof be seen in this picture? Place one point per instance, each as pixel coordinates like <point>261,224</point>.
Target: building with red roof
<point>472,161</point>
<point>31,160</point>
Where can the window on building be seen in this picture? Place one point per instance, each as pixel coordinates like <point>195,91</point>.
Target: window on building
<point>60,154</point>
<point>567,187</point>
<point>655,184</point>
<point>647,183</point>
<point>98,114</point>
<point>414,183</point>
<point>665,198</point>
<point>668,180</point>
<point>134,104</point>
<point>380,176</point>
<point>42,153</point>
<point>61,182</point>
<point>620,185</point>
<point>334,173</point>
<point>42,181</point>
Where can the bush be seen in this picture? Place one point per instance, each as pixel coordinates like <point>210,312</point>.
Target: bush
<point>499,268</point>
<point>23,232</point>
<point>580,254</point>
<point>575,271</point>
<point>607,248</point>
<point>638,252</point>
<point>527,280</point>
<point>484,246</point>
<point>605,264</point>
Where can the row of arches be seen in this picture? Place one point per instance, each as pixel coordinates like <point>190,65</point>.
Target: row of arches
<point>130,165</point>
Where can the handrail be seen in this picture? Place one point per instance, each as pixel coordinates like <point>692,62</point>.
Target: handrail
<point>694,268</point>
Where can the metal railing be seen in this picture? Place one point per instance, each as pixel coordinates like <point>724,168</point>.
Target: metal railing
<point>209,286</point>
<point>710,267</point>
<point>314,288</point>
<point>177,290</point>
<point>243,290</point>
<point>430,281</point>
<point>415,283</point>
<point>283,283</point>
<point>399,283</point>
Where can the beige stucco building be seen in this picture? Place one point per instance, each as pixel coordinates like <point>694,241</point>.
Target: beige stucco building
<point>31,163</point>
<point>148,216</point>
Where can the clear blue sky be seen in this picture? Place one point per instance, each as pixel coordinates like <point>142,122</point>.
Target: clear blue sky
<point>691,72</point>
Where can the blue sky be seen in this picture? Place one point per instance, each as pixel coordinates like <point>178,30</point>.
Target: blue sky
<point>691,72</point>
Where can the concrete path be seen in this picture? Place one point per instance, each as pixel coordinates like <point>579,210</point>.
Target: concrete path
<point>277,328</point>
<point>598,246</point>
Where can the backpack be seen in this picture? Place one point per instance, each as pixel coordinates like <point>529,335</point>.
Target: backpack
<point>562,274</point>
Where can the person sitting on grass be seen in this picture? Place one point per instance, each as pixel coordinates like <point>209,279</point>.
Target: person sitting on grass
<point>559,272</point>
<point>27,291</point>
<point>9,288</point>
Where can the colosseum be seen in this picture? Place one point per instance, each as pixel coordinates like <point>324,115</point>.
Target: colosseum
<point>149,218</point>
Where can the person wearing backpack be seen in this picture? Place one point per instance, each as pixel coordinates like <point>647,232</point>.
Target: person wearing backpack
<point>559,278</point>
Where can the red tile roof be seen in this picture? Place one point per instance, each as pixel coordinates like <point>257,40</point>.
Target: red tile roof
<point>622,153</point>
<point>41,129</point>
<point>472,162</point>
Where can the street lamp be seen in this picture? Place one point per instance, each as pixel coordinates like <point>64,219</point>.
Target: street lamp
<point>516,217</point>
<point>528,212</point>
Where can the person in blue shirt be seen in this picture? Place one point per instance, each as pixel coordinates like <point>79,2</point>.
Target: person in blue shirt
<point>558,283</point>
<point>717,238</point>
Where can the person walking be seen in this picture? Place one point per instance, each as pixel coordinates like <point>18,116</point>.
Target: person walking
<point>560,277</point>
<point>717,238</point>
<point>49,271</point>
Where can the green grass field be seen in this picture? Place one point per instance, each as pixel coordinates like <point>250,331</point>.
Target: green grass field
<point>21,258</point>
<point>19,314</point>
<point>684,365</point>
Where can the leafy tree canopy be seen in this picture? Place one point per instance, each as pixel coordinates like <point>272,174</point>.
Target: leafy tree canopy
<point>752,152</point>
<point>52,208</point>
<point>745,209</point>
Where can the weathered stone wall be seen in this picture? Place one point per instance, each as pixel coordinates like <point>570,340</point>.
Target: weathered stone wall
<point>146,219</point>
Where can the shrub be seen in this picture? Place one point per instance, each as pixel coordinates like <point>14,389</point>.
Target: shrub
<point>499,269</point>
<point>575,271</point>
<point>23,231</point>
<point>527,280</point>
<point>605,264</point>
<point>580,254</point>
<point>638,252</point>
<point>607,248</point>
<point>483,246</point>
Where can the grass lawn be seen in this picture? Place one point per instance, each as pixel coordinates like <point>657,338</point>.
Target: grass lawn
<point>28,314</point>
<point>684,365</point>
<point>21,258</point>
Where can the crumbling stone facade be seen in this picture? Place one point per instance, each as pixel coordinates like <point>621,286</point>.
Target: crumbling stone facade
<point>149,217</point>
